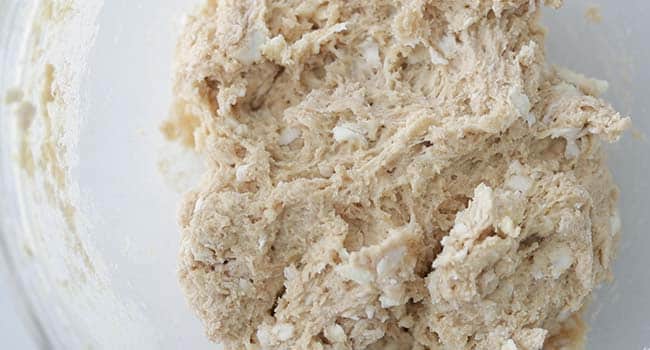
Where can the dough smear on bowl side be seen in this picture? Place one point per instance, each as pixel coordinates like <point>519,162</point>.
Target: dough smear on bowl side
<point>390,175</point>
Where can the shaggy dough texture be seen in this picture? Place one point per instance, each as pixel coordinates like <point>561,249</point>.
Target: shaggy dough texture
<point>389,175</point>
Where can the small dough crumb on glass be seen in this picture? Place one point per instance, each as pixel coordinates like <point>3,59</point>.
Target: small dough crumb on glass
<point>13,95</point>
<point>390,175</point>
<point>593,14</point>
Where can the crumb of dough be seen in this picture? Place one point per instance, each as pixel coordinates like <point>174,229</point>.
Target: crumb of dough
<point>24,112</point>
<point>13,95</point>
<point>389,175</point>
<point>593,14</point>
<point>638,135</point>
<point>181,128</point>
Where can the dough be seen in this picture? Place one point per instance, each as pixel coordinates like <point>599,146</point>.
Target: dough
<point>389,175</point>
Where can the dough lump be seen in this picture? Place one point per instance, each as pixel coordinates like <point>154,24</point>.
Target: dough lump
<point>389,175</point>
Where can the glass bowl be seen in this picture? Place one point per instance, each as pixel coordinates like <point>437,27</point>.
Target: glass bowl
<point>89,251</point>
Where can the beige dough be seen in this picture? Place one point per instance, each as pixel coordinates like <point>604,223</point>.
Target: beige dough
<point>390,175</point>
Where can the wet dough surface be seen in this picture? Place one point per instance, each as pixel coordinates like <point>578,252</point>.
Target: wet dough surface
<point>389,175</point>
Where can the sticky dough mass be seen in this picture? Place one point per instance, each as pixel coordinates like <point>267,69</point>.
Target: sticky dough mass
<point>389,175</point>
